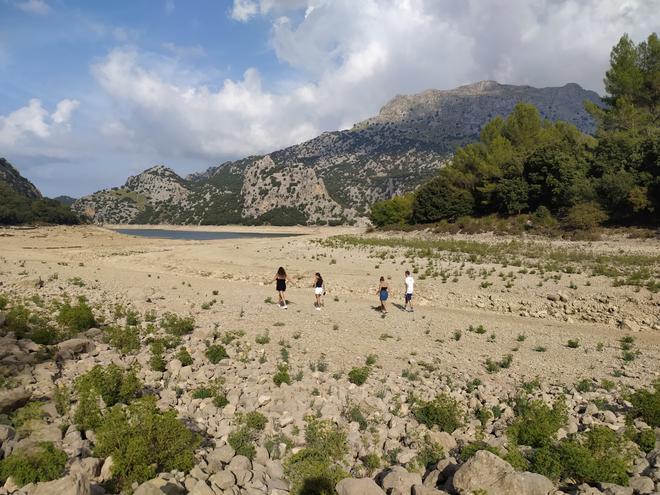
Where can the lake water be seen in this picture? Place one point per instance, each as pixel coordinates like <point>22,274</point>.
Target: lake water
<point>197,235</point>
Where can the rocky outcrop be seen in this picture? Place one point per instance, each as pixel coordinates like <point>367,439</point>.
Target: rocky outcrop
<point>337,176</point>
<point>12,177</point>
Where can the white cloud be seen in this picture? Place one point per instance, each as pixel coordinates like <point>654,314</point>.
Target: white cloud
<point>33,122</point>
<point>244,10</point>
<point>34,7</point>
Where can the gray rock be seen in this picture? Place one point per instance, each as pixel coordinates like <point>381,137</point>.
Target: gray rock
<point>72,347</point>
<point>398,480</point>
<point>201,488</point>
<point>362,486</point>
<point>219,457</point>
<point>159,486</point>
<point>6,433</point>
<point>12,399</point>
<point>223,479</point>
<point>642,485</point>
<point>70,485</point>
<point>425,490</point>
<point>611,489</point>
<point>486,471</point>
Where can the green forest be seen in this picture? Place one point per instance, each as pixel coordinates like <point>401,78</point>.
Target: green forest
<point>16,209</point>
<point>551,173</point>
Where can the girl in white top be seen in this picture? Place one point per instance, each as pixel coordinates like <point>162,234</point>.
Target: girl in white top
<point>410,284</point>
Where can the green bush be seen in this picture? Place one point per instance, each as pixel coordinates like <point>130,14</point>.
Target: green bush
<point>76,318</point>
<point>177,325</point>
<point>472,448</point>
<point>17,320</point>
<point>143,441</point>
<point>110,383</point>
<point>536,424</point>
<point>4,301</point>
<point>585,216</point>
<point>597,456</point>
<point>184,356</point>
<point>243,439</point>
<point>394,211</point>
<point>32,411</point>
<point>255,420</point>
<point>282,375</point>
<point>645,439</point>
<point>359,376</point>
<point>43,463</point>
<point>126,340</point>
<point>429,453</point>
<point>315,469</point>
<point>646,405</point>
<point>443,412</point>
<point>216,353</point>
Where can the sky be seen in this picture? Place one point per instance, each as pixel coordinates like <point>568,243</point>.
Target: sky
<point>94,91</point>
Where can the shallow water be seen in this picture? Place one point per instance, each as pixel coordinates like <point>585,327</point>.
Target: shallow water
<point>198,235</point>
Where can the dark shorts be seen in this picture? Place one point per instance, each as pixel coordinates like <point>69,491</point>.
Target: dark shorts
<point>383,295</point>
<point>280,285</point>
<point>408,297</point>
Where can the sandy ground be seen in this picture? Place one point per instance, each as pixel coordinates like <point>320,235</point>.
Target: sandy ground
<point>179,276</point>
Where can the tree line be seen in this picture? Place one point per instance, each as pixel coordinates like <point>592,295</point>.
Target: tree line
<point>523,164</point>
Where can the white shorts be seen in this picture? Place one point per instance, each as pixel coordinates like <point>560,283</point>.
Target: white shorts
<point>318,291</point>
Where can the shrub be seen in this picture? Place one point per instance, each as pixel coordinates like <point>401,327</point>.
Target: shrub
<point>371,462</point>
<point>216,353</point>
<point>242,440</point>
<point>315,469</point>
<point>76,318</point>
<point>143,441</point>
<point>443,412</point>
<point>585,216</point>
<point>429,452</point>
<point>397,210</point>
<point>4,301</point>
<point>536,423</point>
<point>598,456</point>
<point>17,320</point>
<point>573,343</point>
<point>184,356</point>
<point>255,420</point>
<point>62,399</point>
<point>110,383</point>
<point>472,448</point>
<point>359,375</point>
<point>262,339</point>
<point>646,405</point>
<point>177,325</point>
<point>203,393</point>
<point>44,463</point>
<point>126,340</point>
<point>32,411</point>
<point>355,414</point>
<point>157,361</point>
<point>282,375</point>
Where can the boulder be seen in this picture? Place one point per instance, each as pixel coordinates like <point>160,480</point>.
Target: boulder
<point>159,486</point>
<point>72,347</point>
<point>425,490</point>
<point>399,481</point>
<point>74,484</point>
<point>201,488</point>
<point>362,486</point>
<point>12,399</point>
<point>486,471</point>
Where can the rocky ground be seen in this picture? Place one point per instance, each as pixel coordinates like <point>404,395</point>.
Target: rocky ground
<point>591,340</point>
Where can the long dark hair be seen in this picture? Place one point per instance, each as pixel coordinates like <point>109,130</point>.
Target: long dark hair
<point>318,275</point>
<point>281,272</point>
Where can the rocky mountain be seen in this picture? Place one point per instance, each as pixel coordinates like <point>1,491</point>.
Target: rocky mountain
<point>16,182</point>
<point>335,177</point>
<point>65,200</point>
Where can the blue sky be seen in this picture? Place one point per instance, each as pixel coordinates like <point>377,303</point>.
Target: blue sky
<point>94,91</point>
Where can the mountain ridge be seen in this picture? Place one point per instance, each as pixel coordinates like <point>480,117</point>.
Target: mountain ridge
<point>13,178</point>
<point>334,177</point>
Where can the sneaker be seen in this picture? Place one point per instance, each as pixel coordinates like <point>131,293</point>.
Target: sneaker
<point>285,307</point>
<point>318,308</point>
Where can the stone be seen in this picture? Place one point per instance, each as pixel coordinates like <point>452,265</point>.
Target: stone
<point>223,479</point>
<point>6,433</point>
<point>486,471</point>
<point>220,456</point>
<point>398,480</point>
<point>106,470</point>
<point>74,484</point>
<point>611,489</point>
<point>443,438</point>
<point>240,463</point>
<point>361,486</point>
<point>159,486</point>
<point>642,485</point>
<point>12,399</point>
<point>72,347</point>
<point>88,467</point>
<point>201,488</point>
<point>425,490</point>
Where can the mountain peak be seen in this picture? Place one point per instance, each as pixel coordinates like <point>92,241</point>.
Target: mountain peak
<point>16,181</point>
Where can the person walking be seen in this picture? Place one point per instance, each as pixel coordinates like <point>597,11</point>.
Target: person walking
<point>319,290</point>
<point>280,279</point>
<point>383,294</point>
<point>410,284</point>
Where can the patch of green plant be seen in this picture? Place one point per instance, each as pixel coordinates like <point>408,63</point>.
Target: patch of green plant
<point>262,339</point>
<point>41,463</point>
<point>243,439</point>
<point>315,469</point>
<point>144,441</point>
<point>371,462</point>
<point>443,412</point>
<point>536,423</point>
<point>177,325</point>
<point>359,375</point>
<point>429,452</point>
<point>216,353</point>
<point>585,385</point>
<point>472,448</point>
<point>112,384</point>
<point>282,375</point>
<point>184,356</point>
<point>597,456</point>
<point>573,343</point>
<point>646,405</point>
<point>126,339</point>
<point>157,360</point>
<point>22,417</point>
<point>62,399</point>
<point>371,359</point>
<point>76,318</point>
<point>354,414</point>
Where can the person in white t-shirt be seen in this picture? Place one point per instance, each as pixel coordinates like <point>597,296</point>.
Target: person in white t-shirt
<point>410,284</point>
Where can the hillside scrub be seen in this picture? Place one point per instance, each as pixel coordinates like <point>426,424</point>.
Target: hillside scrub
<point>42,463</point>
<point>16,209</point>
<point>443,412</point>
<point>523,164</point>
<point>143,441</point>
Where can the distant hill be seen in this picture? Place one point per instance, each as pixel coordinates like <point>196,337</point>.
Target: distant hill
<point>65,200</point>
<point>21,202</point>
<point>13,179</point>
<point>335,177</point>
